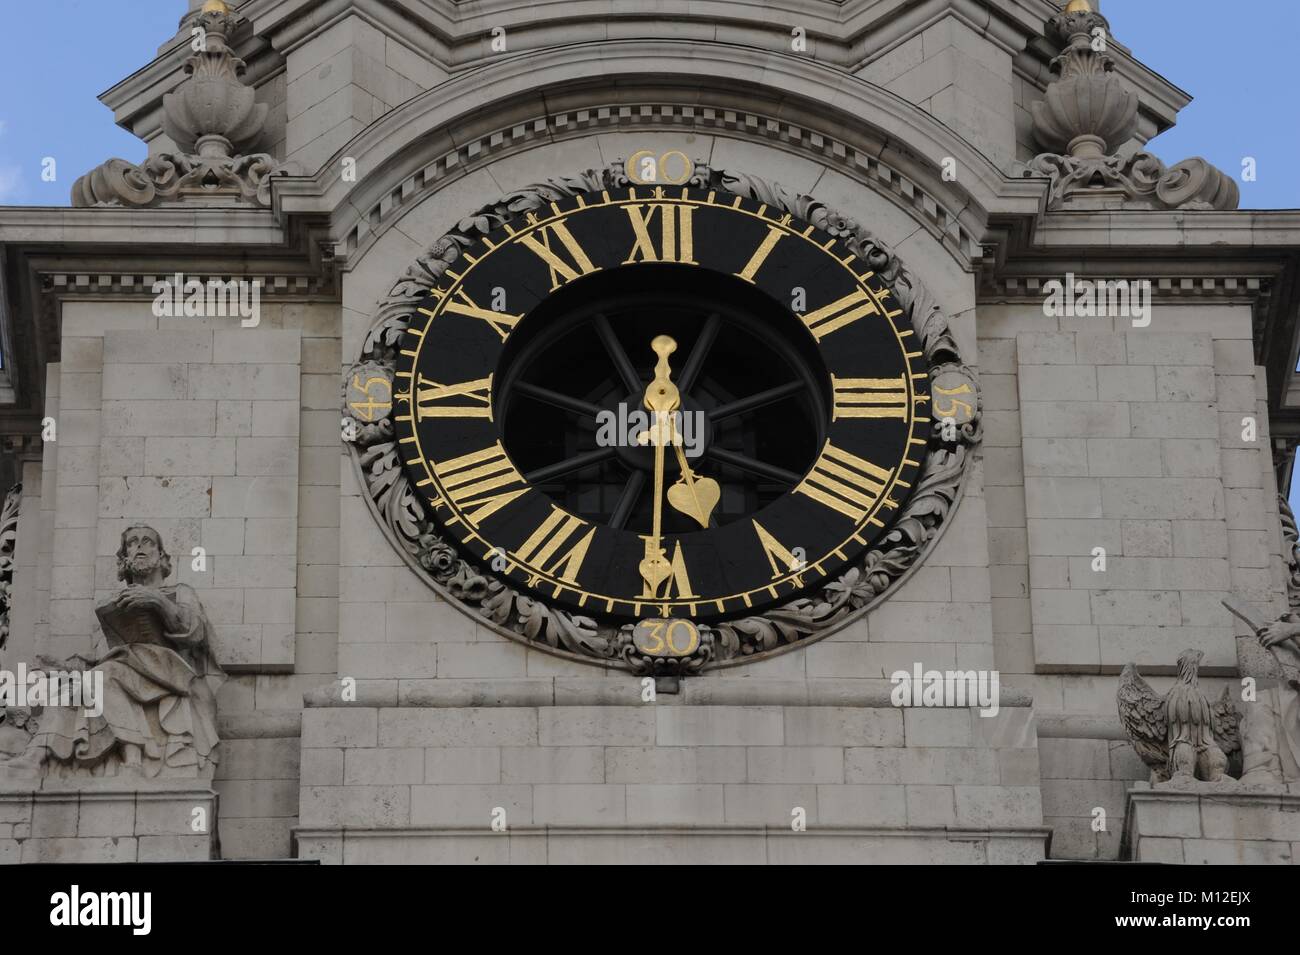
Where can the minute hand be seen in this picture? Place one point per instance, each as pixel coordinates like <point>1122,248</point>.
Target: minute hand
<point>661,398</point>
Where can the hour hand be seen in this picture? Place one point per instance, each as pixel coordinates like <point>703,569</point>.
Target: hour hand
<point>696,497</point>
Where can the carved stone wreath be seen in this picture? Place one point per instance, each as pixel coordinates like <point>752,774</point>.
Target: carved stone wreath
<point>532,621</point>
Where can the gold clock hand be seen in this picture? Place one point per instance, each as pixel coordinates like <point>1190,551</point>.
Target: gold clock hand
<point>696,497</point>
<point>661,398</point>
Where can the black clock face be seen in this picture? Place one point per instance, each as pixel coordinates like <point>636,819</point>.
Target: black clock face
<point>662,403</point>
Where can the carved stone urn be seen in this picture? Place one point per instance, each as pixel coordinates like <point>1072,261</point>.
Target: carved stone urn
<point>1087,112</point>
<point>214,120</point>
<point>213,113</point>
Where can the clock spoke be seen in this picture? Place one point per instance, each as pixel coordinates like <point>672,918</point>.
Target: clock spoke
<point>753,402</point>
<point>699,354</point>
<point>626,371</point>
<point>569,465</point>
<point>628,499</point>
<point>754,466</point>
<point>565,402</point>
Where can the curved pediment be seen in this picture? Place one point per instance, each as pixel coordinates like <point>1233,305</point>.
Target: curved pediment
<point>887,143</point>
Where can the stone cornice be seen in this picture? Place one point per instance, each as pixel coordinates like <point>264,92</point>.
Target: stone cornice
<point>122,228</point>
<point>97,254</point>
<point>1219,232</point>
<point>1247,256</point>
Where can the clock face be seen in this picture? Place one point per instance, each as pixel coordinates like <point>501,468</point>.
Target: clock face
<point>662,403</point>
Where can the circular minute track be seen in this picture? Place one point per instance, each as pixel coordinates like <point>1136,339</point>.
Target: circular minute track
<point>661,402</point>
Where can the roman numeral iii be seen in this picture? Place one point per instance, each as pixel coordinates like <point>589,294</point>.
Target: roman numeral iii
<point>844,482</point>
<point>869,398</point>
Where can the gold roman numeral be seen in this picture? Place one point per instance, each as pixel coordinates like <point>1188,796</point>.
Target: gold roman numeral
<point>844,482</point>
<point>554,533</point>
<point>778,555</point>
<point>869,398</point>
<point>562,272</point>
<point>480,483</point>
<point>501,322</point>
<point>840,313</point>
<point>760,255</point>
<point>429,394</point>
<point>676,232</point>
<point>675,585</point>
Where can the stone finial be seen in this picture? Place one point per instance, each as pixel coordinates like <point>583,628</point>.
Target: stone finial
<point>1087,114</point>
<point>213,117</point>
<point>213,113</point>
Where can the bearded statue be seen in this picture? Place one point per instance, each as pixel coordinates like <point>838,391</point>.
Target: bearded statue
<point>158,712</point>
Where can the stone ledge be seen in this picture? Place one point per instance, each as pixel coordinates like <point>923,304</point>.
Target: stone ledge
<point>104,820</point>
<point>642,845</point>
<point>612,691</point>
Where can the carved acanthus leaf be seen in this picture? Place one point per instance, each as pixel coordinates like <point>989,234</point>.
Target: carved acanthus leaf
<point>8,544</point>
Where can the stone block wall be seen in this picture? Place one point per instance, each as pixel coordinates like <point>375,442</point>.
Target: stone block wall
<point>943,785</point>
<point>104,820</point>
<point>200,438</point>
<point>257,783</point>
<point>1103,435</point>
<point>1079,777</point>
<point>960,76</point>
<point>341,80</point>
<point>223,438</point>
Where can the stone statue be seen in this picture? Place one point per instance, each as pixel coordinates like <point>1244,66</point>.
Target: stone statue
<point>1271,734</point>
<point>159,676</point>
<point>1271,729</point>
<point>1182,736</point>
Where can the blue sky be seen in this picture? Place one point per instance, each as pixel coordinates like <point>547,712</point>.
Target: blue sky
<point>56,56</point>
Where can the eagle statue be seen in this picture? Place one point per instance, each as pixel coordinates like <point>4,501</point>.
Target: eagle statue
<point>1182,735</point>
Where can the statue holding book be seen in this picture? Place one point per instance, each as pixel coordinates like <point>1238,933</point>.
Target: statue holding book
<point>160,679</point>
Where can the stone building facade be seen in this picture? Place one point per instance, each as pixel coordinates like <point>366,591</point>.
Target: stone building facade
<point>378,707</point>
